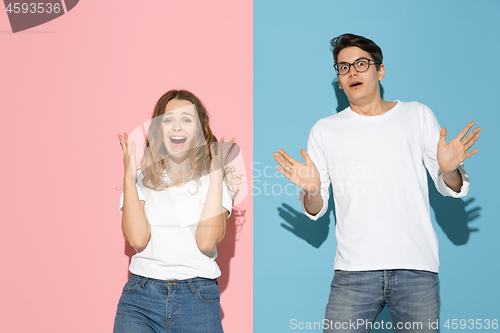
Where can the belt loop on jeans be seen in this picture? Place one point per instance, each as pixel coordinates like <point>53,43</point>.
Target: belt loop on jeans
<point>191,285</point>
<point>143,282</point>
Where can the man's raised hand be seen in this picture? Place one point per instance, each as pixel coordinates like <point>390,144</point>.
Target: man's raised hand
<point>306,176</point>
<point>451,154</point>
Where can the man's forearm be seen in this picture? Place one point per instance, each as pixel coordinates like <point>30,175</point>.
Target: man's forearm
<point>453,180</point>
<point>313,201</point>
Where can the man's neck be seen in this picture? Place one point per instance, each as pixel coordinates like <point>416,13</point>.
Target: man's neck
<point>374,107</point>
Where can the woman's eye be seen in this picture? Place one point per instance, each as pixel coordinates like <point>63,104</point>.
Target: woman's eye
<point>167,120</point>
<point>187,120</point>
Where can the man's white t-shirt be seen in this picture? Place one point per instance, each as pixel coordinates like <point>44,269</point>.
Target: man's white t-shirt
<point>377,168</point>
<point>173,214</point>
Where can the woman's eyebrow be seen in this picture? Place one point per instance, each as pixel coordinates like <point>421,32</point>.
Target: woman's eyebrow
<point>185,112</point>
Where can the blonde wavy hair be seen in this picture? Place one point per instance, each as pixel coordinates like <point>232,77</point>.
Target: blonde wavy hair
<point>155,160</point>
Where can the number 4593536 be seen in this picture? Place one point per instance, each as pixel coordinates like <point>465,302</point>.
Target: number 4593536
<point>33,8</point>
<point>471,324</point>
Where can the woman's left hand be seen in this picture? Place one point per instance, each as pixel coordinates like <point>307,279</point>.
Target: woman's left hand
<point>220,155</point>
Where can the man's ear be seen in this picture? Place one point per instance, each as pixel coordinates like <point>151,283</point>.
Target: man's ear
<point>381,72</point>
<point>340,86</point>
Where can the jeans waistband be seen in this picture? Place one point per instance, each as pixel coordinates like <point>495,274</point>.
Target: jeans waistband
<point>187,283</point>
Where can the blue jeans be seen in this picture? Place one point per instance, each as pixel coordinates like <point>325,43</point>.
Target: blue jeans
<point>357,298</point>
<point>150,305</point>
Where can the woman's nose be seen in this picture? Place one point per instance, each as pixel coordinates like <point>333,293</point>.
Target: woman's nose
<point>177,125</point>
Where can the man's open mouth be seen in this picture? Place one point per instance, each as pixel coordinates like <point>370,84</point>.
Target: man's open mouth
<point>355,84</point>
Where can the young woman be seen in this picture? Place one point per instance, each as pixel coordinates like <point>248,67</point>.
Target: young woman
<point>174,213</point>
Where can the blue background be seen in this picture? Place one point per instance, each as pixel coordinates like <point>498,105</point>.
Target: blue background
<point>444,54</point>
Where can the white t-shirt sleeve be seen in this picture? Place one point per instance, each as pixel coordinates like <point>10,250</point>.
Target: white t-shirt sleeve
<point>141,190</point>
<point>316,153</point>
<point>431,132</point>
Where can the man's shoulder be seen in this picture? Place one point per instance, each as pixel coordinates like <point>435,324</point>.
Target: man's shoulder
<point>332,119</point>
<point>413,105</point>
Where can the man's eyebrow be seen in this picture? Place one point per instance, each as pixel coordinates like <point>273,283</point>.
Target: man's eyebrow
<point>345,62</point>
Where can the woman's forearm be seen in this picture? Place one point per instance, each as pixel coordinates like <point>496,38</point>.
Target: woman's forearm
<point>212,225</point>
<point>135,227</point>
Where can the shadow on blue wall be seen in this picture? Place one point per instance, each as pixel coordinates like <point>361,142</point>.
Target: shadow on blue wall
<point>452,215</point>
<point>314,233</point>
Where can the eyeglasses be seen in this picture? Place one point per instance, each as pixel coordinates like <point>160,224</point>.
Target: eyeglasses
<point>361,65</point>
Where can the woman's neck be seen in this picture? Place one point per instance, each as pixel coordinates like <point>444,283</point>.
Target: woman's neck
<point>177,170</point>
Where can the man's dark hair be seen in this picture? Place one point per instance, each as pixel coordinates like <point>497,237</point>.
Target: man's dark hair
<point>347,40</point>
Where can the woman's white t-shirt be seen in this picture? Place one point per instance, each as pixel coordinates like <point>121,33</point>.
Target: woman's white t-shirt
<point>173,214</point>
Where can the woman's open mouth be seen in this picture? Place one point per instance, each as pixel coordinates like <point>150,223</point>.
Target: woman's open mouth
<point>178,141</point>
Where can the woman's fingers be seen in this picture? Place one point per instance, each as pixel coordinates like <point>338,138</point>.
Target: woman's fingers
<point>229,148</point>
<point>124,145</point>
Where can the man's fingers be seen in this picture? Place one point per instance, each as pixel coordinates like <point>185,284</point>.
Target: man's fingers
<point>466,129</point>
<point>469,154</point>
<point>442,135</point>
<point>472,135</point>
<point>281,160</point>
<point>286,156</point>
<point>471,141</point>
<point>284,173</point>
<point>283,163</point>
<point>306,156</point>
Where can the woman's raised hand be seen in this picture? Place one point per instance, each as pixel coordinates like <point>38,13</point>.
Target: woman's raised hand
<point>220,155</point>
<point>129,162</point>
<point>305,176</point>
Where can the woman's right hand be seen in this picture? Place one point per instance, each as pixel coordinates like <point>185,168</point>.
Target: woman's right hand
<point>305,176</point>
<point>129,162</point>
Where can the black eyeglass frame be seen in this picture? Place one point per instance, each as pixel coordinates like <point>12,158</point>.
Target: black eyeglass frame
<point>352,64</point>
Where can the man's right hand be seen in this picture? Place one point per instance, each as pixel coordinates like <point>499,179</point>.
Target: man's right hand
<point>306,176</point>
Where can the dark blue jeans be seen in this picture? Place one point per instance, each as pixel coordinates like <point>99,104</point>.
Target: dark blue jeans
<point>357,298</point>
<point>150,305</point>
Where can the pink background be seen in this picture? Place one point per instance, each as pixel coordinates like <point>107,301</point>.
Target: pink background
<point>67,88</point>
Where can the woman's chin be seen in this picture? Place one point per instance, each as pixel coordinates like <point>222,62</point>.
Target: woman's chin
<point>178,155</point>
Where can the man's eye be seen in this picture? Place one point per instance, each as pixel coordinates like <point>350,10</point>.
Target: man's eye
<point>343,66</point>
<point>362,63</point>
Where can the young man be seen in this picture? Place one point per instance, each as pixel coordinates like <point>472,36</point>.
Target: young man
<point>374,153</point>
